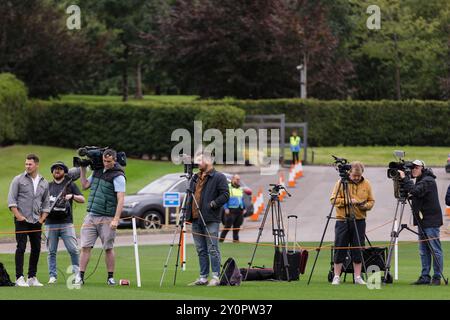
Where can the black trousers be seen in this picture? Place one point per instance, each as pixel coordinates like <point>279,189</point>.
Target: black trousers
<point>35,241</point>
<point>234,220</point>
<point>347,236</point>
<point>294,157</point>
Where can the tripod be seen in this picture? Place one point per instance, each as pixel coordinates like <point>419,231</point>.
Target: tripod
<point>273,206</point>
<point>349,215</point>
<point>395,233</point>
<point>181,226</point>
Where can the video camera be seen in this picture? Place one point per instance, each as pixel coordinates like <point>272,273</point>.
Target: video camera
<point>393,173</point>
<point>401,164</point>
<point>94,158</point>
<point>342,166</point>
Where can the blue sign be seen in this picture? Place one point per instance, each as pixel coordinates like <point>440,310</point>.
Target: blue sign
<point>171,199</point>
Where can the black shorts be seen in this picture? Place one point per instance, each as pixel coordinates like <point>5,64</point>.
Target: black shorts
<point>345,236</point>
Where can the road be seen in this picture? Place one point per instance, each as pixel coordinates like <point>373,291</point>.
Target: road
<point>310,202</point>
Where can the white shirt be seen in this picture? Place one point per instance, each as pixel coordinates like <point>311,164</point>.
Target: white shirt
<point>35,182</point>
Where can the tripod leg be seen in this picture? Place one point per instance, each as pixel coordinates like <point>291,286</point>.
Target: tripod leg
<point>261,228</point>
<point>168,256</point>
<point>394,237</point>
<point>178,256</point>
<point>323,234</point>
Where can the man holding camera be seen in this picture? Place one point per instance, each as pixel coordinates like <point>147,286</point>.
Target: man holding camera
<point>60,220</point>
<point>29,202</point>
<point>361,201</point>
<point>425,205</point>
<point>209,193</point>
<point>105,204</point>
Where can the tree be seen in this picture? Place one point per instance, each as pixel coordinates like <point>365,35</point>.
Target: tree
<point>407,57</point>
<point>37,47</point>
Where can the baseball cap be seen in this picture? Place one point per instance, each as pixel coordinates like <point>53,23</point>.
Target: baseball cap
<point>419,163</point>
<point>59,164</point>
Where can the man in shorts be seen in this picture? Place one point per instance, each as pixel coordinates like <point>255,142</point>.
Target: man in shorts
<point>104,208</point>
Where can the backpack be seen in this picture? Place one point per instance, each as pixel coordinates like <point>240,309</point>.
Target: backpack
<point>230,275</point>
<point>5,281</point>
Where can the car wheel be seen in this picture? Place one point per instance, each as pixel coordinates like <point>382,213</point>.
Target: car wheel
<point>152,220</point>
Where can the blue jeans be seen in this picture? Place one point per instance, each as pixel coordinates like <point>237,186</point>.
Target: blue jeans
<point>66,232</point>
<point>207,249</point>
<point>426,255</point>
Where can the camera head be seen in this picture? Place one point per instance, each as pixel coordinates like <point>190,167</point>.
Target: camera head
<point>401,164</point>
<point>93,157</point>
<point>342,166</point>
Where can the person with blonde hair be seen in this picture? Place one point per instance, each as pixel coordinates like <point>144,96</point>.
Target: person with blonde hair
<point>349,232</point>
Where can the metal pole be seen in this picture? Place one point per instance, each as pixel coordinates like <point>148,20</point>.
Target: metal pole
<point>396,252</point>
<point>136,253</point>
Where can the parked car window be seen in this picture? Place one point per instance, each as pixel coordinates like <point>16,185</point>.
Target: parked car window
<point>159,186</point>
<point>181,187</point>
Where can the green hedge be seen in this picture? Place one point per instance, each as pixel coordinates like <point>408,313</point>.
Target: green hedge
<point>13,102</point>
<point>353,123</point>
<point>135,129</point>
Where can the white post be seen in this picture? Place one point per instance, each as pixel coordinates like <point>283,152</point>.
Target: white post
<point>183,262</point>
<point>136,253</point>
<point>396,252</point>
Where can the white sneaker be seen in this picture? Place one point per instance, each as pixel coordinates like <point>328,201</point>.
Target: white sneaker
<point>21,282</point>
<point>52,280</point>
<point>336,281</point>
<point>199,282</point>
<point>215,281</point>
<point>359,280</point>
<point>34,282</point>
<point>78,281</point>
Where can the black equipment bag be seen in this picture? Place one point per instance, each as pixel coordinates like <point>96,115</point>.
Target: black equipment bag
<point>373,256</point>
<point>230,275</point>
<point>257,274</point>
<point>5,280</point>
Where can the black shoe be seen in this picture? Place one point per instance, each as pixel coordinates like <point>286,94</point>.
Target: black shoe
<point>422,281</point>
<point>436,282</point>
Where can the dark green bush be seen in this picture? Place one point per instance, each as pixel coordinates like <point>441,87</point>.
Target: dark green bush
<point>13,102</point>
<point>353,123</point>
<point>135,129</point>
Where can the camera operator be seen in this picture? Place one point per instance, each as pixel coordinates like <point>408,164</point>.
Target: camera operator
<point>425,205</point>
<point>29,202</point>
<point>210,190</point>
<point>104,208</point>
<point>60,220</point>
<point>362,200</point>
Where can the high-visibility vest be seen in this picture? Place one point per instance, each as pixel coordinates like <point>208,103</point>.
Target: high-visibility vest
<point>236,198</point>
<point>295,143</point>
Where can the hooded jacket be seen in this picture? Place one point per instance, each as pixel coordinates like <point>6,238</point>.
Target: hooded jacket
<point>425,199</point>
<point>447,197</point>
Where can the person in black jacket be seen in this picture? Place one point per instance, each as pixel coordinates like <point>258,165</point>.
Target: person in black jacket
<point>425,205</point>
<point>210,192</point>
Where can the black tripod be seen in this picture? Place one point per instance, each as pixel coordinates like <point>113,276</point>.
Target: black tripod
<point>273,206</point>
<point>349,213</point>
<point>181,224</point>
<point>395,232</point>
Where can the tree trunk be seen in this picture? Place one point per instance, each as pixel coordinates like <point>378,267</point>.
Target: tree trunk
<point>125,74</point>
<point>138,93</point>
<point>397,70</point>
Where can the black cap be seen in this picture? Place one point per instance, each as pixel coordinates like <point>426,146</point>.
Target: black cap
<point>59,164</point>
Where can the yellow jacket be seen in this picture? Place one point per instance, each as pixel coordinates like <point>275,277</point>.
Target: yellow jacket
<point>361,192</point>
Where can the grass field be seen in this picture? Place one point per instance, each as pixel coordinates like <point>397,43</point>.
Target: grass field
<point>118,99</point>
<point>376,155</point>
<point>139,173</point>
<point>152,262</point>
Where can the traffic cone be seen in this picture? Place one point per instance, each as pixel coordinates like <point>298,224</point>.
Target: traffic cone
<point>300,169</point>
<point>291,180</point>
<point>282,193</point>
<point>257,206</point>
<point>447,211</point>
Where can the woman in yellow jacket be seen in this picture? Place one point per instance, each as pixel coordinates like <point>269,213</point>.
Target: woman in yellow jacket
<point>362,200</point>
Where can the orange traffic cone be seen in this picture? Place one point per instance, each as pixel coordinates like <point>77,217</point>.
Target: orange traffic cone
<point>282,192</point>
<point>291,181</point>
<point>447,211</point>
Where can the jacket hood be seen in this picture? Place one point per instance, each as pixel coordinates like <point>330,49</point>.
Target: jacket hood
<point>428,172</point>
